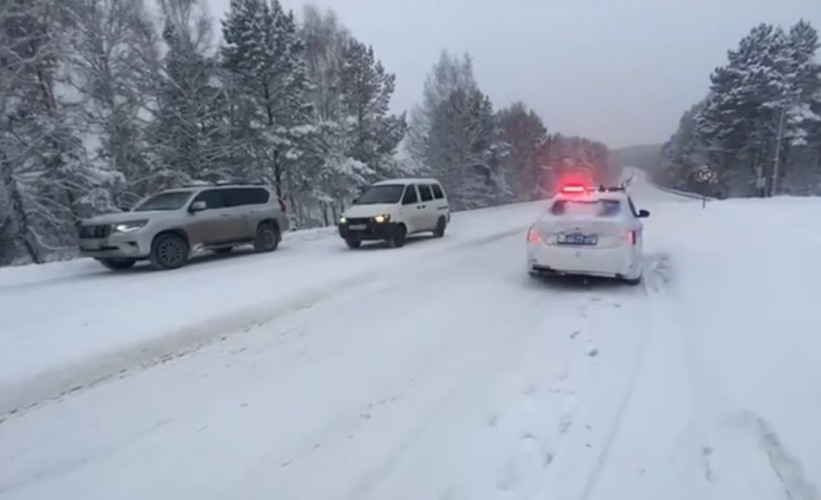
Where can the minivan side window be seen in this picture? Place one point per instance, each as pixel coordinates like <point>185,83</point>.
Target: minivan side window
<point>410,195</point>
<point>212,198</point>
<point>437,192</point>
<point>424,192</point>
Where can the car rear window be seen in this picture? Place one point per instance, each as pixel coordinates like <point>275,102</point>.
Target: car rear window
<point>593,208</point>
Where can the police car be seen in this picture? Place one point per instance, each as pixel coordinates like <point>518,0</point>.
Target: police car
<point>590,232</point>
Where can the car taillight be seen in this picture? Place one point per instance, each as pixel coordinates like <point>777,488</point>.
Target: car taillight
<point>631,237</point>
<point>573,188</point>
<point>533,236</point>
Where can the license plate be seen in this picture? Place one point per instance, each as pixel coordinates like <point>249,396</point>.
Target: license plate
<point>358,227</point>
<point>578,239</point>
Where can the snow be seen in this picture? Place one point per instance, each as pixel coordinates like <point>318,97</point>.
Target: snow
<point>67,324</point>
<point>434,371</point>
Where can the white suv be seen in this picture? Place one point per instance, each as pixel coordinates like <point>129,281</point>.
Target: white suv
<point>392,210</point>
<point>170,226</point>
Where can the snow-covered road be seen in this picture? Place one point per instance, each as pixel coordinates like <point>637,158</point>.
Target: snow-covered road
<point>438,371</point>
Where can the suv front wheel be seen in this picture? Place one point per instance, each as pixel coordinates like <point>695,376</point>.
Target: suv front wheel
<point>169,251</point>
<point>267,238</point>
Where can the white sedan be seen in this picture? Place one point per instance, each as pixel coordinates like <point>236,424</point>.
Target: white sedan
<point>590,232</point>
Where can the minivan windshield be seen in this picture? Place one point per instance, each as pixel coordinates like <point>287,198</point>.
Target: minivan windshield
<point>171,200</point>
<point>381,194</point>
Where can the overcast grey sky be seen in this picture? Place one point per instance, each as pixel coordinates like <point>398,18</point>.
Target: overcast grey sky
<point>620,71</point>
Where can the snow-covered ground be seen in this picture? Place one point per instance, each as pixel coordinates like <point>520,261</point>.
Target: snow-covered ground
<point>437,371</point>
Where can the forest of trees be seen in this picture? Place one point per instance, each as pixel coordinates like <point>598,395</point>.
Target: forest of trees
<point>102,103</point>
<point>759,127</point>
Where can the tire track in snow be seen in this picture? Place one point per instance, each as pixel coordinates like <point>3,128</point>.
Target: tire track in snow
<point>653,283</point>
<point>579,450</point>
<point>26,396</point>
<point>786,467</point>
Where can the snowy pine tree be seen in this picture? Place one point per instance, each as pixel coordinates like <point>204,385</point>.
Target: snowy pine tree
<point>262,57</point>
<point>448,74</point>
<point>682,154</point>
<point>188,135</point>
<point>760,111</point>
<point>464,150</point>
<point>112,53</point>
<point>357,137</point>
<point>525,134</point>
<point>366,91</point>
<point>46,176</point>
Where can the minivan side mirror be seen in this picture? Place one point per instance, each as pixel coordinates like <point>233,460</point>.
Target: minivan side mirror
<point>197,206</point>
<point>643,214</point>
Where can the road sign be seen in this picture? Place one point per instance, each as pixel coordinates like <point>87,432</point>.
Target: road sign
<point>704,174</point>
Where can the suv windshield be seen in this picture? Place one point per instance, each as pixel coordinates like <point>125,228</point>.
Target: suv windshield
<point>597,208</point>
<point>172,200</point>
<point>384,193</point>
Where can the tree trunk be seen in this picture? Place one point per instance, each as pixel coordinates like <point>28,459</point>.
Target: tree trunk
<point>23,225</point>
<point>278,181</point>
<point>334,215</point>
<point>325,220</point>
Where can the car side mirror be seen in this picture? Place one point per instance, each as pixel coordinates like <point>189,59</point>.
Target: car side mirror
<point>643,214</point>
<point>197,206</point>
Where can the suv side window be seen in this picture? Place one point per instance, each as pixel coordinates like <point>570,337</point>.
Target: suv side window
<point>437,192</point>
<point>235,197</point>
<point>211,197</point>
<point>425,193</point>
<point>410,195</point>
<point>258,196</point>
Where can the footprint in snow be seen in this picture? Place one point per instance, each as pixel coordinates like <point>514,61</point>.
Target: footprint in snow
<point>493,421</point>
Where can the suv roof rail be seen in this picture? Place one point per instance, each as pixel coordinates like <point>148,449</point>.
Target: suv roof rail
<point>246,183</point>
<point>221,184</point>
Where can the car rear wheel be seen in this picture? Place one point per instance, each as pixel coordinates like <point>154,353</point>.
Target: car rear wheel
<point>117,264</point>
<point>400,236</point>
<point>353,243</point>
<point>441,226</point>
<point>267,238</point>
<point>169,251</point>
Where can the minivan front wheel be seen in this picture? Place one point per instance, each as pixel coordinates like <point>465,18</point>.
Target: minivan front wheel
<point>400,236</point>
<point>169,251</point>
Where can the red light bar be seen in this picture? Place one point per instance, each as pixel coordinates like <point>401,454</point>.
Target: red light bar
<point>575,188</point>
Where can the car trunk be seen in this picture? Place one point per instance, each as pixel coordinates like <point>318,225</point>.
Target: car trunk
<point>610,232</point>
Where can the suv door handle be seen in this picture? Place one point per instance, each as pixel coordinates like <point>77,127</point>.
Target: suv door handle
<point>420,207</point>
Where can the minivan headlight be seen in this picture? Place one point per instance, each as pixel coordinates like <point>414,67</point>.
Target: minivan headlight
<point>343,220</point>
<point>380,219</point>
<point>127,227</point>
